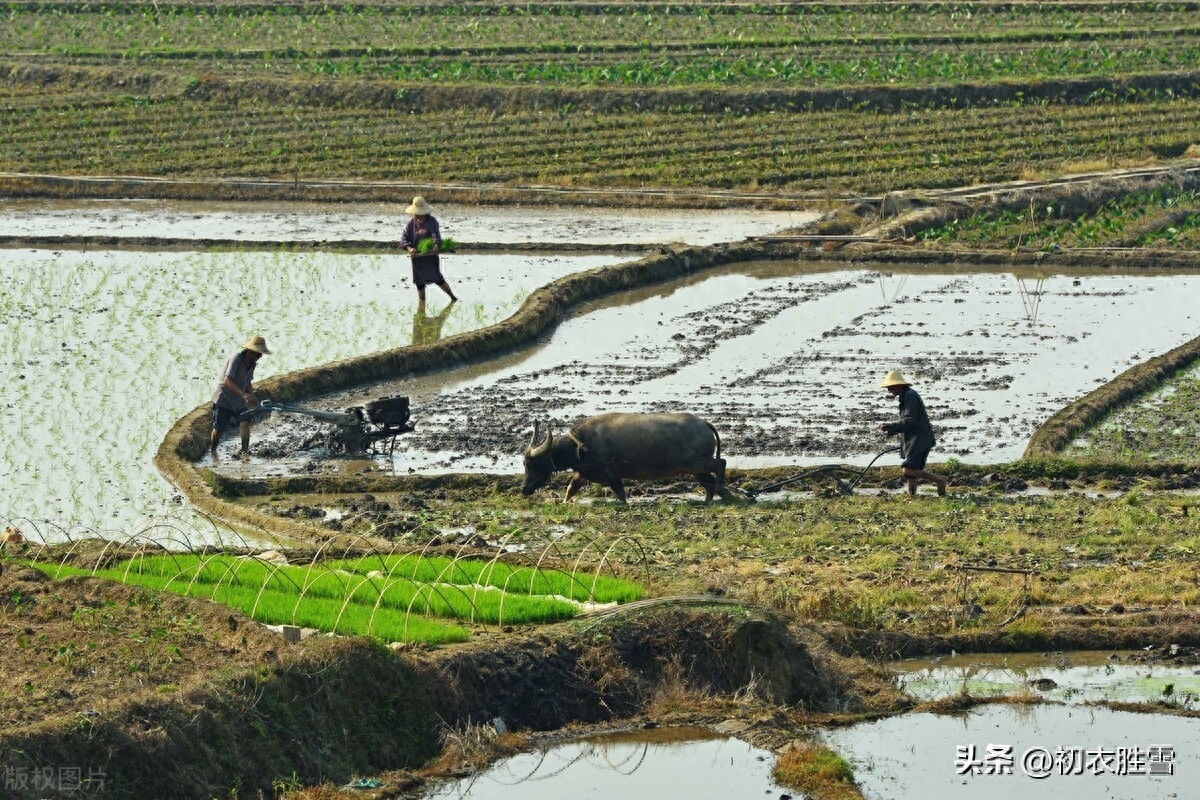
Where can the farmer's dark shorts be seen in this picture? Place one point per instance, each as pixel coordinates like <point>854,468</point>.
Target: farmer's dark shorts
<point>427,269</point>
<point>915,460</point>
<point>224,417</point>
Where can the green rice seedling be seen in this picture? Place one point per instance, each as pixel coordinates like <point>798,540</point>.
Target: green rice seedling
<point>278,607</point>
<point>463,598</point>
<point>524,580</point>
<point>426,245</point>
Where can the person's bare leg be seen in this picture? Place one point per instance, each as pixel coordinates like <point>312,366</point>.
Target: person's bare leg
<point>244,430</point>
<point>213,439</point>
<point>421,296</point>
<point>446,288</point>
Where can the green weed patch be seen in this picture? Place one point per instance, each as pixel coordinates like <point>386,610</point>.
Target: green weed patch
<point>1167,216</point>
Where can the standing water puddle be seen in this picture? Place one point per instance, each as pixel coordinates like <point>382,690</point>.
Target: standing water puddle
<point>690,764</point>
<point>1076,677</point>
<point>1000,751</point>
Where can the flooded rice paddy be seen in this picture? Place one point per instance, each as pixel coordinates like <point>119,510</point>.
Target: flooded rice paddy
<point>1077,677</point>
<point>311,222</point>
<point>104,348</point>
<point>686,763</point>
<point>1048,745</point>
<point>785,359</point>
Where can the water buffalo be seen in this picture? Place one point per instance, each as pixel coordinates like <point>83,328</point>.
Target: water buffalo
<point>608,447</point>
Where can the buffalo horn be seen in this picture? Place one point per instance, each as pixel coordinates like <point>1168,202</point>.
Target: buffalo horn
<point>537,449</point>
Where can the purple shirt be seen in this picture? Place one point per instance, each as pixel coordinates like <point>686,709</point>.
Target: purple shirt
<point>418,229</point>
<point>241,371</point>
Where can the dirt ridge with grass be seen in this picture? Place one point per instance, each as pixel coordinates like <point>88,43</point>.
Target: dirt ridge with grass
<point>153,719</point>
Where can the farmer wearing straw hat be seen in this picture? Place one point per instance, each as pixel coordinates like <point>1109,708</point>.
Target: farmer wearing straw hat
<point>916,433</point>
<point>426,266</point>
<point>234,394</point>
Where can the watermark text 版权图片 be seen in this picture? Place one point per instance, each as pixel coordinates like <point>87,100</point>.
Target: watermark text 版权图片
<point>61,779</point>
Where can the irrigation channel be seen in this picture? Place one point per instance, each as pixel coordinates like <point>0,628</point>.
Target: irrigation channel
<point>110,337</point>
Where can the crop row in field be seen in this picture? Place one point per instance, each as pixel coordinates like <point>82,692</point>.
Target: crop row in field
<point>142,27</point>
<point>725,64</point>
<point>622,44</point>
<point>792,152</point>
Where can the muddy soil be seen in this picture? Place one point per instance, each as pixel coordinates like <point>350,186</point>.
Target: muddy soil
<point>784,360</point>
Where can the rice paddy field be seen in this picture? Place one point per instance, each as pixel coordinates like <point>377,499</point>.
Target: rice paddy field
<point>622,105</point>
<point>105,349</point>
<point>773,99</point>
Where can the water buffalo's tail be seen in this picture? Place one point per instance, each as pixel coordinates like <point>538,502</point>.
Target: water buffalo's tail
<point>714,430</point>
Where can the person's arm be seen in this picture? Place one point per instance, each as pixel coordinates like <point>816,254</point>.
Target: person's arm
<point>406,238</point>
<point>247,395</point>
<point>909,413</point>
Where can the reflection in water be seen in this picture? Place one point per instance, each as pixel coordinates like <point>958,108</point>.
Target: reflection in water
<point>891,286</point>
<point>427,329</point>
<point>80,318</point>
<point>688,763</point>
<point>1039,751</point>
<point>1031,298</point>
<point>743,346</point>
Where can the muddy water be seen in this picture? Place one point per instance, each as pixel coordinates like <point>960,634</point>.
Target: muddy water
<point>690,763</point>
<point>1076,677</point>
<point>786,358</point>
<point>997,752</point>
<point>102,350</point>
<point>309,222</point>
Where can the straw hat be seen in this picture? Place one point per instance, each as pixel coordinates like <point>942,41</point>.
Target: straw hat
<point>894,378</point>
<point>419,206</point>
<point>258,344</point>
